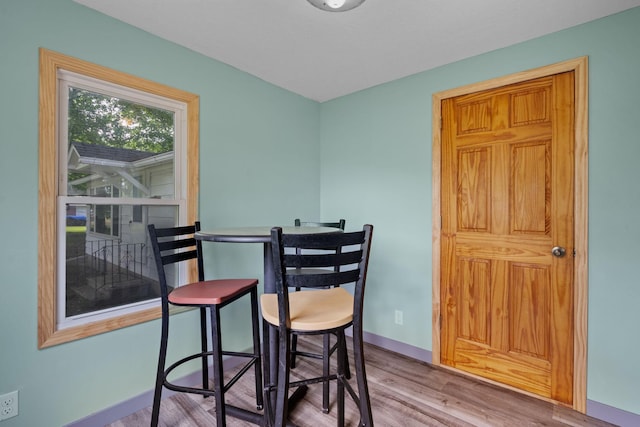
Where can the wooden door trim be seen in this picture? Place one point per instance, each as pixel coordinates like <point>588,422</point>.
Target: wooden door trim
<point>580,68</point>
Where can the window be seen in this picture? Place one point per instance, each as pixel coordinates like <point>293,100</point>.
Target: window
<point>117,152</point>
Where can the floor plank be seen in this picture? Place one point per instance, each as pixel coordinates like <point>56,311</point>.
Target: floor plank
<point>404,393</point>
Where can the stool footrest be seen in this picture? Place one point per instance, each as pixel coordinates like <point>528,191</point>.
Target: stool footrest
<point>203,391</point>
<point>307,354</point>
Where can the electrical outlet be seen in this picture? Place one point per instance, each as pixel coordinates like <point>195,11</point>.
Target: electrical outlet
<point>399,315</point>
<point>9,405</point>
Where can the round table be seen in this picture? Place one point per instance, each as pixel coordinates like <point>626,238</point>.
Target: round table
<point>259,235</point>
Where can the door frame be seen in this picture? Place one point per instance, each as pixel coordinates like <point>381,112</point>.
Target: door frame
<point>580,302</point>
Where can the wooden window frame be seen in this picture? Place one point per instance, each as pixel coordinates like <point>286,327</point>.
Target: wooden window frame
<point>50,63</point>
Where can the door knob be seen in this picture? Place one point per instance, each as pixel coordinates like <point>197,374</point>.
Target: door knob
<point>558,251</point>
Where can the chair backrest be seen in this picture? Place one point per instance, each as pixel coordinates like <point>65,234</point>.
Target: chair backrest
<point>338,224</point>
<point>305,269</point>
<point>173,245</point>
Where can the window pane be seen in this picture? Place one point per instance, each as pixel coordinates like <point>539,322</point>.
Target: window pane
<point>118,148</point>
<point>104,271</point>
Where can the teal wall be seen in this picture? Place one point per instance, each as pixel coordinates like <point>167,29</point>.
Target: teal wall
<point>376,143</point>
<point>248,131</point>
<point>383,137</point>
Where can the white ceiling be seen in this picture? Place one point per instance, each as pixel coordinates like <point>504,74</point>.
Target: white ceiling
<point>323,55</point>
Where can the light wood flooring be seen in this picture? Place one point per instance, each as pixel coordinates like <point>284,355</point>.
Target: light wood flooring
<point>404,393</point>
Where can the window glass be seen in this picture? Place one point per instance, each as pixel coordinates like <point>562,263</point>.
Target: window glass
<point>102,272</point>
<point>113,141</point>
<point>118,155</point>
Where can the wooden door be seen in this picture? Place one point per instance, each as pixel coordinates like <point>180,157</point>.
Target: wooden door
<point>507,191</point>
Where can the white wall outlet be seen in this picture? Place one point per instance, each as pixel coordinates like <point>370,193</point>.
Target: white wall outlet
<point>9,405</point>
<point>399,319</point>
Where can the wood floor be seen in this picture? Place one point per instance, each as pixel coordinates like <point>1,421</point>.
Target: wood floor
<point>404,393</point>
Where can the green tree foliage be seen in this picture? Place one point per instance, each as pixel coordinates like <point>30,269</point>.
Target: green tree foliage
<point>104,120</point>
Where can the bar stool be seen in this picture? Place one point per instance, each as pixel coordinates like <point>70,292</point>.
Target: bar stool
<point>323,309</point>
<point>175,245</point>
<point>327,348</point>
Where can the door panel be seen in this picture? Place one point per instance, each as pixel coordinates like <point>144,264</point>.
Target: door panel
<point>507,200</point>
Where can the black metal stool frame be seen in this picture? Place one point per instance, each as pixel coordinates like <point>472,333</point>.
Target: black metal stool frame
<point>327,348</point>
<point>284,269</point>
<point>217,353</point>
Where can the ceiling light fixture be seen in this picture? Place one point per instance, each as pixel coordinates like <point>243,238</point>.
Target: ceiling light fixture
<point>336,5</point>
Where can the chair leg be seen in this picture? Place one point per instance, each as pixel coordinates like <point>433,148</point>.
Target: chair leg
<point>266,376</point>
<point>162,358</point>
<point>269,332</point>
<point>347,370</point>
<point>218,371</point>
<point>326,358</point>
<point>342,357</point>
<point>366,417</point>
<point>294,349</point>
<point>203,347</point>
<point>257,364</point>
<point>294,345</point>
<point>284,364</point>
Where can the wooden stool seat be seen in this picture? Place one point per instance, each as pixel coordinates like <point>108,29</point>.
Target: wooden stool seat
<point>315,310</point>
<point>211,292</point>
